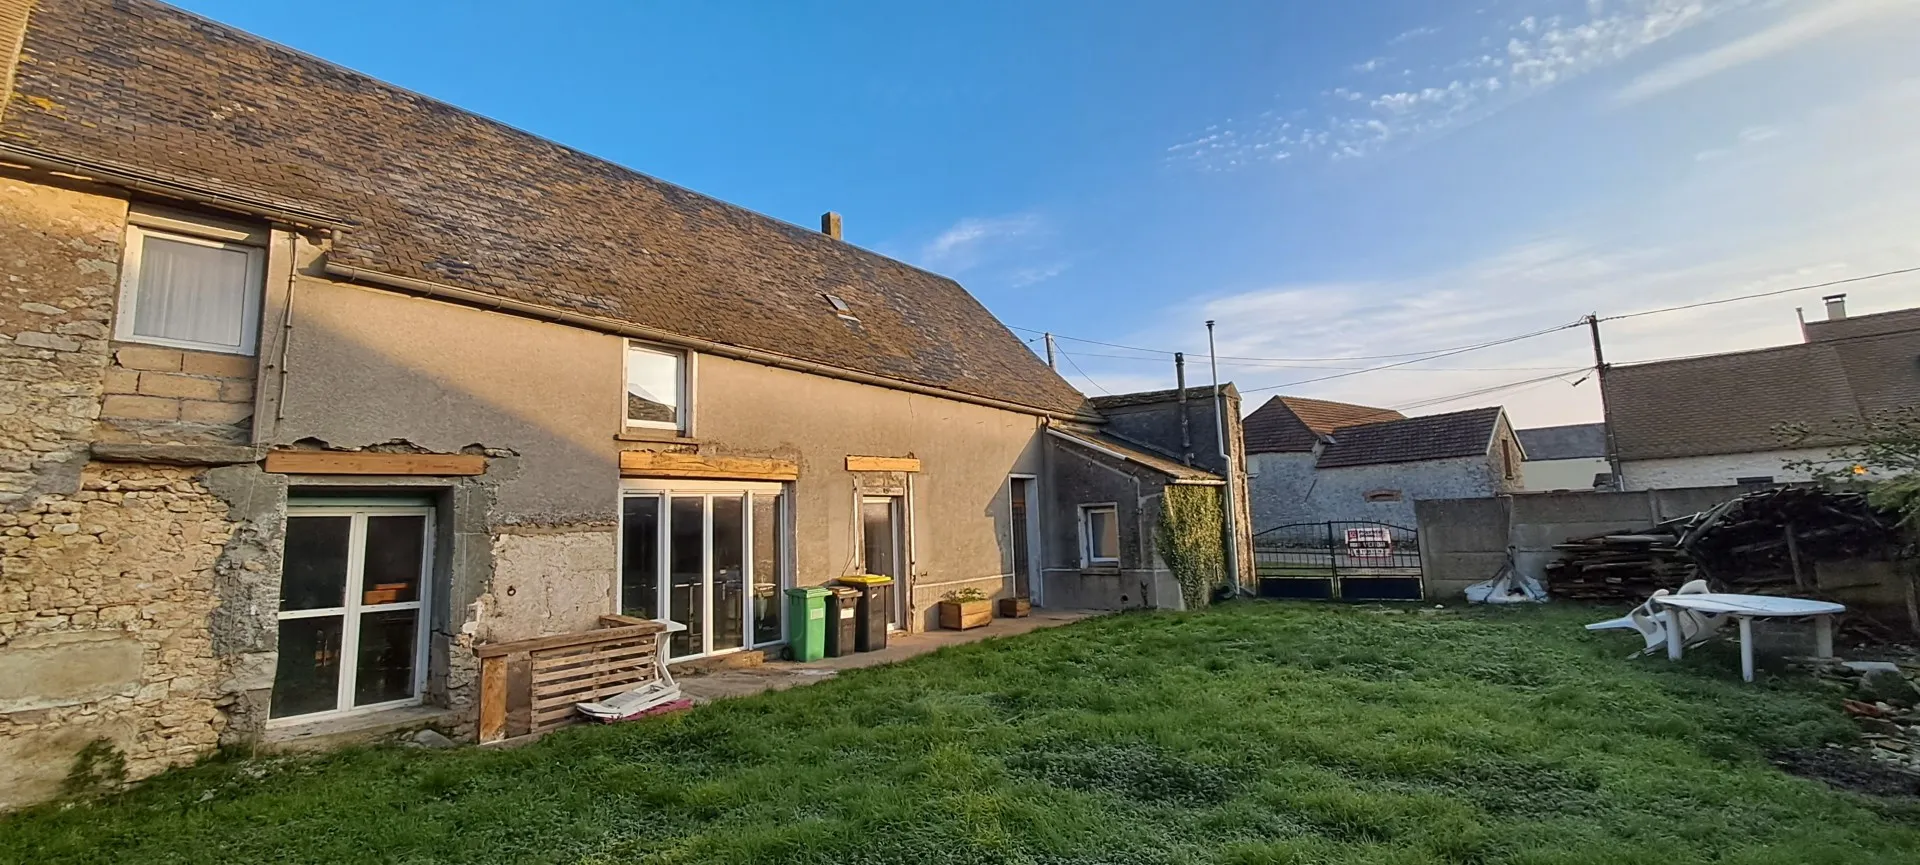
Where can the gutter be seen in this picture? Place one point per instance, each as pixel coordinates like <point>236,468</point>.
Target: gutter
<point>153,184</point>
<point>556,315</point>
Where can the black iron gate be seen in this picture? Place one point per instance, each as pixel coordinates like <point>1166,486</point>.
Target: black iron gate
<point>1339,560</point>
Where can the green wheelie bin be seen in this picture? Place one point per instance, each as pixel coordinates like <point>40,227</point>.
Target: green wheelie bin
<point>807,622</point>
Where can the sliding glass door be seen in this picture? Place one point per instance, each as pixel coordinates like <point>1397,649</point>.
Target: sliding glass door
<point>708,555</point>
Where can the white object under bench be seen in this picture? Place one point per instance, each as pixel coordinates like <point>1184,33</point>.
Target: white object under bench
<point>1744,609</point>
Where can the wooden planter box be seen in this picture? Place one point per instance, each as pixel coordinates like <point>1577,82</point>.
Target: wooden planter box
<point>1015,608</point>
<point>962,615</point>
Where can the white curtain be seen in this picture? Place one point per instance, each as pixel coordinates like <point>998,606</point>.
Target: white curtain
<point>191,292</point>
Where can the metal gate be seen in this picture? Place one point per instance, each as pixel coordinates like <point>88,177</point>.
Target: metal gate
<point>1339,560</point>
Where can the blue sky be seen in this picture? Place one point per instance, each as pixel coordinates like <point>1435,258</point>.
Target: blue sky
<point>1328,180</point>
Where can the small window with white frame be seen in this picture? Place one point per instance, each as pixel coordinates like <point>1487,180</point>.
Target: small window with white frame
<point>658,382</point>
<point>185,284</point>
<point>1099,535</point>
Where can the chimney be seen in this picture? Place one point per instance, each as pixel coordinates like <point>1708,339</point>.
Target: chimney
<point>1836,306</point>
<point>830,224</point>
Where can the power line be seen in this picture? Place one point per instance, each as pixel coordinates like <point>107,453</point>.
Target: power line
<point>1539,380</point>
<point>1082,372</point>
<point>1260,365</point>
<point>1229,357</point>
<point>1443,351</point>
<point>1462,350</point>
<point>1848,280</point>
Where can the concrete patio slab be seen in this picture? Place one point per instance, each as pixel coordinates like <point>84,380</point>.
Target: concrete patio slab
<point>717,684</point>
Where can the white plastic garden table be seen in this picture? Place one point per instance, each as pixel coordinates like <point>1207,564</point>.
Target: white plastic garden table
<point>1744,609</point>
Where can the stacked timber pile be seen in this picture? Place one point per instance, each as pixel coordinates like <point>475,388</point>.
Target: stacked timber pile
<point>1773,537</point>
<point>1762,541</point>
<point>1618,566</point>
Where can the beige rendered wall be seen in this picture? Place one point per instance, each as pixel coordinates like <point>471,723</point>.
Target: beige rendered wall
<point>445,378</point>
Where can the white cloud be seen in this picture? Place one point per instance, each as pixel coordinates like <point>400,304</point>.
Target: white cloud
<point>967,242</point>
<point>1447,91</point>
<point>1816,19</point>
<point>1829,192</point>
<point>1406,36</point>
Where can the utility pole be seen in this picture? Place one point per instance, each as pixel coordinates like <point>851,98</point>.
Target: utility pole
<point>1220,431</point>
<point>1606,413</point>
<point>1050,361</point>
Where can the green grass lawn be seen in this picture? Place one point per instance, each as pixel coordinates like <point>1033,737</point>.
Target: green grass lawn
<point>1252,733</point>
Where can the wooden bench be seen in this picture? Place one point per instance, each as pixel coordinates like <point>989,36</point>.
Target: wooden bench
<point>537,681</point>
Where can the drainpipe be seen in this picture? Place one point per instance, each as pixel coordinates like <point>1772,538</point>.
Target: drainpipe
<point>1186,426</point>
<point>1220,431</point>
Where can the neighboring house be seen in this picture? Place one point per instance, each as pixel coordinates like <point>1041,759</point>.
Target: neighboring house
<point>1561,458</point>
<point>1715,420</point>
<point>313,384</point>
<point>1312,461</point>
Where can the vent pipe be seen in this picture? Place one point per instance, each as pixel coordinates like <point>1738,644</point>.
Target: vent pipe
<point>1186,426</point>
<point>830,224</point>
<point>1836,306</point>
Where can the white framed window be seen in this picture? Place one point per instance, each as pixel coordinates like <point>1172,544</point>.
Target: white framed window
<point>353,610</point>
<point>659,381</point>
<point>191,292</point>
<point>1099,535</point>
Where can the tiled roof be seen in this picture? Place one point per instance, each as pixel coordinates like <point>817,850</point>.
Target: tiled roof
<point>1291,424</point>
<point>1415,439</point>
<point>1153,397</point>
<point>1872,324</point>
<point>1734,403</point>
<point>435,193</point>
<point>1138,454</point>
<point>1573,441</point>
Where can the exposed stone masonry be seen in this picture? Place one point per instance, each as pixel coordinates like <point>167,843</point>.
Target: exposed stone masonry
<point>103,625</point>
<point>60,254</point>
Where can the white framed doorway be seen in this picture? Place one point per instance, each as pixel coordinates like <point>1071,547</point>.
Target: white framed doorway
<point>1023,521</point>
<point>354,591</point>
<point>883,550</point>
<point>710,555</point>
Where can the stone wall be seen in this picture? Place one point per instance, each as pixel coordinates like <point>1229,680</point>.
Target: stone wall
<point>60,252</point>
<point>104,614</point>
<point>137,599</point>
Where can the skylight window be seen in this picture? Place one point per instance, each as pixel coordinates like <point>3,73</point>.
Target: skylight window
<point>841,309</point>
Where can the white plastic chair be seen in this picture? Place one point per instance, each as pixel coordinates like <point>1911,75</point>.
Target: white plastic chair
<point>1649,622</point>
<point>1696,627</point>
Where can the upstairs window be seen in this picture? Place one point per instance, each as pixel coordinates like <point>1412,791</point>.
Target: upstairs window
<point>656,387</point>
<point>187,291</point>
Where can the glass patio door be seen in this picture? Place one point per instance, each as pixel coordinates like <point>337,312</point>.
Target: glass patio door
<point>352,616</point>
<point>707,555</point>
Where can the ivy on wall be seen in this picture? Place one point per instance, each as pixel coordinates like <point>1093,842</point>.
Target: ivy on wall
<point>1190,540</point>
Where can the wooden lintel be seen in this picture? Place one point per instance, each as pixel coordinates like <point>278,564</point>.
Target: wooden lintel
<point>653,464</point>
<point>882,464</point>
<point>365,463</point>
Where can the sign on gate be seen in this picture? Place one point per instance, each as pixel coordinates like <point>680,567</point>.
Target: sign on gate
<point>1369,542</point>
